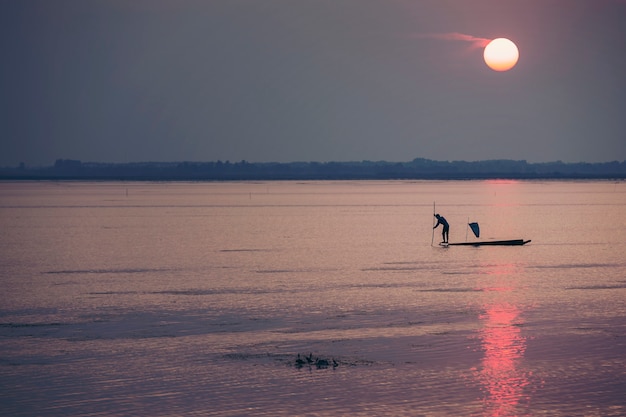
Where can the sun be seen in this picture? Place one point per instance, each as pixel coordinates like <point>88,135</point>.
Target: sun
<point>501,54</point>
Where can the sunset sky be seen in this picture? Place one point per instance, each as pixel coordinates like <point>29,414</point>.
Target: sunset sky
<point>310,80</point>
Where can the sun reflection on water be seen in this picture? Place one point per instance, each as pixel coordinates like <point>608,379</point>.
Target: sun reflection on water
<point>502,376</point>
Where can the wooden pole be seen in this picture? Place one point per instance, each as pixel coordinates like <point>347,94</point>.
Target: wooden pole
<point>432,239</point>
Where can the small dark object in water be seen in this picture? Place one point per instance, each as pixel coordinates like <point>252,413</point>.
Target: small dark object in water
<point>318,362</point>
<point>321,363</point>
<point>299,362</point>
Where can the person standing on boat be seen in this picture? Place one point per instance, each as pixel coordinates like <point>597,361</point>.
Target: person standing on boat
<point>446,227</point>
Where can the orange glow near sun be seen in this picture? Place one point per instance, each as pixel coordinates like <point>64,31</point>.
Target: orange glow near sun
<point>501,54</point>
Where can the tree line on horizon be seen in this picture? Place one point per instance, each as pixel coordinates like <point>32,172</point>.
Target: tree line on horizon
<point>418,168</point>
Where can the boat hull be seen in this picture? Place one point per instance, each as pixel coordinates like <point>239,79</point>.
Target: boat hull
<point>511,242</point>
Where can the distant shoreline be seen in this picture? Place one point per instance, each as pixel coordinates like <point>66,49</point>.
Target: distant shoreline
<point>417,169</point>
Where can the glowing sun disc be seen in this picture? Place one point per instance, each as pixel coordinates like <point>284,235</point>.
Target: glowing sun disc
<point>501,54</point>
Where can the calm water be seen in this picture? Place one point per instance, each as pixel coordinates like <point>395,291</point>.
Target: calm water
<point>189,299</point>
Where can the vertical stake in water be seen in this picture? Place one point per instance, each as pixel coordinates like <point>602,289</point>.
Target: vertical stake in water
<point>432,239</point>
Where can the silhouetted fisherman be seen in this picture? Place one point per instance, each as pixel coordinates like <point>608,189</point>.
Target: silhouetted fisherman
<point>446,227</point>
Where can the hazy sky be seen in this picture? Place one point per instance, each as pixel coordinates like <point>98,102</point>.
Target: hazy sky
<point>309,80</point>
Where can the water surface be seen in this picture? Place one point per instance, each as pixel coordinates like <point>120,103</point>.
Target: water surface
<point>197,298</point>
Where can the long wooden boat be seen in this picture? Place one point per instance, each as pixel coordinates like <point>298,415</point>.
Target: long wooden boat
<point>511,242</point>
